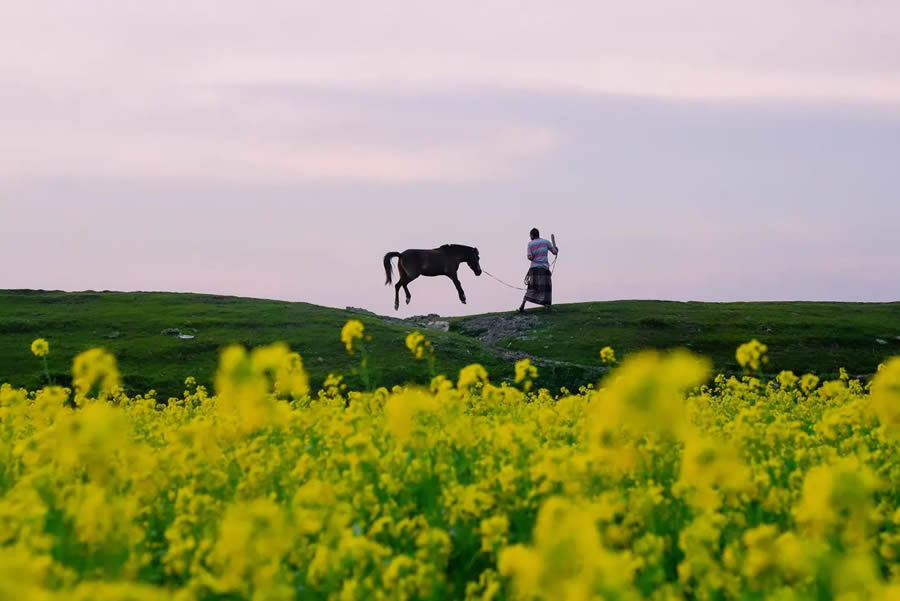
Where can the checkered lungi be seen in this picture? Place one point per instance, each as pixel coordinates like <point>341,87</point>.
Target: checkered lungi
<point>540,286</point>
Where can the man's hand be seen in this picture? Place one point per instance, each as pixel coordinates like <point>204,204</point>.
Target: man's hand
<point>553,241</point>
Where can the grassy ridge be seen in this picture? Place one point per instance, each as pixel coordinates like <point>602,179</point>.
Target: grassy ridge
<point>130,325</point>
<point>815,337</point>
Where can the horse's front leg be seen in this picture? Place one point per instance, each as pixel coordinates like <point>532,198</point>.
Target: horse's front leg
<point>462,294</point>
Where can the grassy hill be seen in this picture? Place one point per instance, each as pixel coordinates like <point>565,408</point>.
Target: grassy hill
<point>137,328</point>
<point>814,337</point>
<point>131,326</point>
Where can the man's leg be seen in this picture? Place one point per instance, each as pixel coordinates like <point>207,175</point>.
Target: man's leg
<point>527,284</point>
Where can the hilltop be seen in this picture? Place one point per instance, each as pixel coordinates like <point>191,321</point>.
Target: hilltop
<point>161,338</point>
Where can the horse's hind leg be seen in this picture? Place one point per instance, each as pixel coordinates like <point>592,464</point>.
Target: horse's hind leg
<point>405,279</point>
<point>462,294</point>
<point>406,290</point>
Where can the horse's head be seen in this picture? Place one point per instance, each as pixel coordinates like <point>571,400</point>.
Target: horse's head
<point>473,262</point>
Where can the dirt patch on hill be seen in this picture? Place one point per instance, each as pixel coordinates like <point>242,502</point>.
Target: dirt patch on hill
<point>432,321</point>
<point>495,332</point>
<point>493,329</point>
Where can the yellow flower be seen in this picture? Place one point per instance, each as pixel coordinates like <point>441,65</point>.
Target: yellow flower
<point>837,493</point>
<point>648,487</point>
<point>808,383</point>
<point>607,354</point>
<point>40,347</point>
<point>352,331</point>
<point>400,411</point>
<point>760,542</point>
<point>711,468</point>
<point>752,355</point>
<point>493,532</point>
<point>244,385</point>
<point>524,566</point>
<point>568,559</point>
<point>471,375</point>
<point>646,393</point>
<point>252,539</point>
<point>418,345</point>
<point>886,397</point>
<point>787,379</point>
<point>94,373</point>
<point>525,372</point>
<point>290,377</point>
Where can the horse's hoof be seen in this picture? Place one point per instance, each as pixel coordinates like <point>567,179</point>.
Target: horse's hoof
<point>462,300</point>
<point>407,300</point>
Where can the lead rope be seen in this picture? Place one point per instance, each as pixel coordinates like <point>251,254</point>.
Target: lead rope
<point>552,269</point>
<point>501,281</point>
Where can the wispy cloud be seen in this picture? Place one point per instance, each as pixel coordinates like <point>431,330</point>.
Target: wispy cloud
<point>95,150</point>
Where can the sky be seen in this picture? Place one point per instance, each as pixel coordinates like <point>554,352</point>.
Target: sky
<point>684,150</point>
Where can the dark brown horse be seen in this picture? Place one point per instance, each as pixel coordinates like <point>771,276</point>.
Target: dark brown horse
<point>438,261</point>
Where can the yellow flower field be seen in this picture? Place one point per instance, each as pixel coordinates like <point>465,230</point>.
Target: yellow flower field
<point>662,482</point>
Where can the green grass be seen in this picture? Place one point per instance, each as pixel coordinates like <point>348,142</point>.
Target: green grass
<point>73,322</point>
<point>809,337</point>
<point>813,337</point>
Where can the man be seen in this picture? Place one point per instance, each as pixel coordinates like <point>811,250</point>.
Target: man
<point>540,288</point>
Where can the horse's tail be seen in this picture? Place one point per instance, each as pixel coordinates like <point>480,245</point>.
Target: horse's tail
<point>387,266</point>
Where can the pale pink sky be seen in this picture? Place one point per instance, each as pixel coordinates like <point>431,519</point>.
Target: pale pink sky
<point>691,149</point>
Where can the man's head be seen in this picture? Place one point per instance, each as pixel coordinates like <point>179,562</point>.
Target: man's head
<point>535,234</point>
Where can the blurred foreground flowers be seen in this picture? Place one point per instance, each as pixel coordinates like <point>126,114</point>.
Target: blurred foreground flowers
<point>656,484</point>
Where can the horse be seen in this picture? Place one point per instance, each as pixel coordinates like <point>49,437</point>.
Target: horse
<point>438,261</point>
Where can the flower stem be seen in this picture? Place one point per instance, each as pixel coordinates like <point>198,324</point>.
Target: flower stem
<point>364,367</point>
<point>47,371</point>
